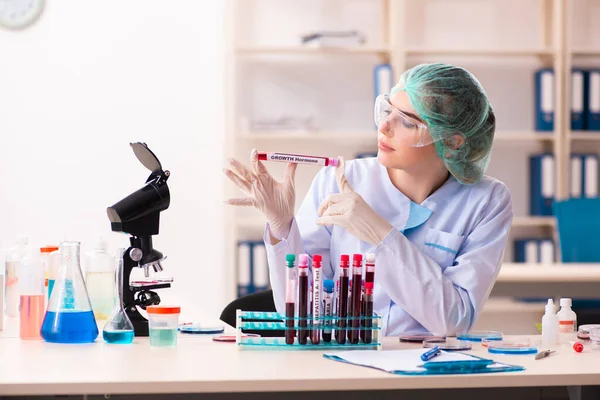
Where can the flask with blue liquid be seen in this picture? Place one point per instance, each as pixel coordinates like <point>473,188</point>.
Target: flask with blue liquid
<point>118,329</point>
<point>69,317</point>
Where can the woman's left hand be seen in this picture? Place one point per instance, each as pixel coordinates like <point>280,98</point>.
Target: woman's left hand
<point>351,212</point>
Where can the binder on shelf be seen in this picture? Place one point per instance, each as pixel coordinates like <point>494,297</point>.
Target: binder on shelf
<point>383,79</point>
<point>544,99</point>
<point>546,251</point>
<point>576,176</point>
<point>260,266</point>
<point>593,100</point>
<point>534,251</point>
<point>578,99</point>
<point>252,267</point>
<point>244,267</point>
<point>366,155</point>
<point>590,175</point>
<point>526,251</point>
<point>542,173</point>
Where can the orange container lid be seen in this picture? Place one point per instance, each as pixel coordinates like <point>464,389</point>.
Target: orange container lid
<point>163,310</point>
<point>48,249</point>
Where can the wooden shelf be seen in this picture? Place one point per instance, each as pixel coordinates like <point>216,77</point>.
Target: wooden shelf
<point>514,272</point>
<point>479,52</point>
<point>523,135</point>
<point>500,136</point>
<point>585,135</point>
<point>503,305</point>
<point>315,135</point>
<point>529,221</point>
<point>298,50</point>
<point>525,221</point>
<point>586,51</point>
<point>250,222</point>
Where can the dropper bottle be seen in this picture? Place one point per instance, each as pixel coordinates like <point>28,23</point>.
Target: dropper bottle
<point>550,326</point>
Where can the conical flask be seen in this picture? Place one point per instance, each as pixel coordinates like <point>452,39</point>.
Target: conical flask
<point>69,317</point>
<point>118,329</point>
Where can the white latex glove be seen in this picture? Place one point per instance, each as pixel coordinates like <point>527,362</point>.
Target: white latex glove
<point>351,212</point>
<point>276,200</point>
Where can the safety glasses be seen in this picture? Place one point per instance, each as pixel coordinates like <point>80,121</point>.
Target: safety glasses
<point>395,123</point>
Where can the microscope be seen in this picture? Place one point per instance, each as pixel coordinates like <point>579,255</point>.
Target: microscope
<point>138,215</point>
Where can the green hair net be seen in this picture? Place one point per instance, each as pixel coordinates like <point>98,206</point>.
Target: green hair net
<point>451,100</point>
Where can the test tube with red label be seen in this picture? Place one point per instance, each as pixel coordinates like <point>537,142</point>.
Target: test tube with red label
<point>316,303</point>
<point>340,333</point>
<point>299,159</point>
<point>368,298</point>
<point>355,299</point>
<point>290,298</point>
<point>303,299</point>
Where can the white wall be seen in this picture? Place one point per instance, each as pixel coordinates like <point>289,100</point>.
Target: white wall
<point>83,82</point>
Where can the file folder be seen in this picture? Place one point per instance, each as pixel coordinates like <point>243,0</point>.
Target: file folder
<point>544,99</point>
<point>260,267</point>
<point>542,173</point>
<point>366,155</point>
<point>383,79</point>
<point>409,362</point>
<point>593,103</point>
<point>546,248</point>
<point>590,176</point>
<point>526,251</point>
<point>244,266</point>
<point>578,99</point>
<point>576,176</point>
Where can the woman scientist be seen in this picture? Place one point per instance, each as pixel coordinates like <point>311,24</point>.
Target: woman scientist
<point>437,225</point>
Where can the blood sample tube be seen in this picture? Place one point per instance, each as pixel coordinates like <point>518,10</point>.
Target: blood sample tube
<point>299,159</point>
<point>343,299</point>
<point>290,298</point>
<point>328,309</point>
<point>355,299</point>
<point>368,298</point>
<point>316,303</point>
<point>362,311</point>
<point>303,298</point>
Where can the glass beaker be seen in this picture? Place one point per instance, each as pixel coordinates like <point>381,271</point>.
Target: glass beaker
<point>69,318</point>
<point>33,302</point>
<point>118,328</point>
<point>100,281</point>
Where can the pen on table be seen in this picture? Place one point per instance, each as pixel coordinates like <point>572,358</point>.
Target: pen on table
<point>428,355</point>
<point>543,354</point>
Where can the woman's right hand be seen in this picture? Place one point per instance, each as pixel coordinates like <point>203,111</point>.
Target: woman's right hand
<point>276,200</point>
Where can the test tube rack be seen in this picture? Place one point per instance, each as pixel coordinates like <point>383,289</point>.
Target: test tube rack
<point>270,321</point>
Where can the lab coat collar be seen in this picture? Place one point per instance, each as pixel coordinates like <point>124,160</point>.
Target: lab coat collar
<point>416,214</point>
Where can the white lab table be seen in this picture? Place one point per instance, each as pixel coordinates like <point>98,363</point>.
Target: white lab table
<point>200,365</point>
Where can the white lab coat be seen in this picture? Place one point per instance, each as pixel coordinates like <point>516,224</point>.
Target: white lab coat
<point>434,271</point>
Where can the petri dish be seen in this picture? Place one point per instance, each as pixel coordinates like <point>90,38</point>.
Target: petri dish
<point>206,330</point>
<point>584,330</point>
<point>511,346</point>
<point>419,337</point>
<point>478,336</point>
<point>595,337</point>
<point>448,344</point>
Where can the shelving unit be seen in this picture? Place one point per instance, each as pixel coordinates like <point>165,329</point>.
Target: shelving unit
<point>396,48</point>
<point>560,273</point>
